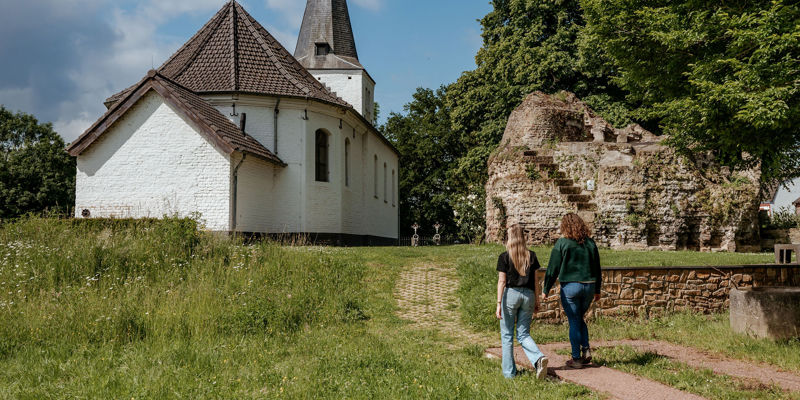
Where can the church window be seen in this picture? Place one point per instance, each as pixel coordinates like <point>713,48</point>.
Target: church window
<point>347,162</point>
<point>385,196</point>
<point>375,180</point>
<point>321,156</point>
<point>323,49</point>
<point>394,194</point>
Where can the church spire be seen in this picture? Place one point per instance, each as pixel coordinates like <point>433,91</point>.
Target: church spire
<point>326,37</point>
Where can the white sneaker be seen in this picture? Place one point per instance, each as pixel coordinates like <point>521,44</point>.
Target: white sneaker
<point>541,368</point>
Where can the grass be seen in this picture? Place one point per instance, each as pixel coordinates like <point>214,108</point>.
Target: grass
<point>702,382</point>
<point>154,309</point>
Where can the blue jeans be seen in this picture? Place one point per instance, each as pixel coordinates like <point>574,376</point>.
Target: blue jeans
<point>517,308</point>
<point>576,298</point>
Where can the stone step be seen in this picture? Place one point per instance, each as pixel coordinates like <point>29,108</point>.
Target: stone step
<point>587,207</point>
<point>529,153</point>
<point>563,182</point>
<point>570,189</point>
<point>579,198</point>
<point>543,159</point>
<point>547,166</point>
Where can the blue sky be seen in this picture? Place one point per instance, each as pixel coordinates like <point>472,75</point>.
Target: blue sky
<point>61,58</point>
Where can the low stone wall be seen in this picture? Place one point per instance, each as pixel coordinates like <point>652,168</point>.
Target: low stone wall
<point>654,291</point>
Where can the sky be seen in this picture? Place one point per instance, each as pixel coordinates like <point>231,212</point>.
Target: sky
<point>59,59</point>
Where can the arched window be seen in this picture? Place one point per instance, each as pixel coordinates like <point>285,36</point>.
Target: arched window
<point>321,156</point>
<point>375,181</point>
<point>393,189</point>
<point>385,195</point>
<point>347,162</point>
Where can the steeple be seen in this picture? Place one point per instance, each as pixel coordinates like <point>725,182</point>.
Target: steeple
<point>326,37</point>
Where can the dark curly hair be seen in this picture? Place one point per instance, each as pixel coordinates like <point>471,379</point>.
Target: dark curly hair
<point>573,227</point>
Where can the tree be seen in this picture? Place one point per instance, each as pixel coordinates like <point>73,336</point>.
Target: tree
<point>527,46</point>
<point>722,77</point>
<point>428,150</point>
<point>36,173</point>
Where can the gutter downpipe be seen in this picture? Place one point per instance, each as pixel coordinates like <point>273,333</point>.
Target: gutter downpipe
<point>234,192</point>
<point>275,122</point>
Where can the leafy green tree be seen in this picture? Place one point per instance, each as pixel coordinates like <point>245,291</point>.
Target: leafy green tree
<point>527,46</point>
<point>36,173</point>
<point>716,76</point>
<point>428,149</point>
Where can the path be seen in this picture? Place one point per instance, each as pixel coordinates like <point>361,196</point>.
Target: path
<point>721,365</point>
<point>426,296</point>
<point>616,384</point>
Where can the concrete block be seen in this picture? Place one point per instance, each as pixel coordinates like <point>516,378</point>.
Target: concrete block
<point>766,312</point>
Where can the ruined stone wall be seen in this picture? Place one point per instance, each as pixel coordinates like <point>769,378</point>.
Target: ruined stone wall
<point>651,292</point>
<point>644,196</point>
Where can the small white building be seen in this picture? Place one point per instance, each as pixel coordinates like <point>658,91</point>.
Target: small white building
<point>235,129</point>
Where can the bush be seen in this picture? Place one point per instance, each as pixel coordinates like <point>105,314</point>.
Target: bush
<point>784,219</point>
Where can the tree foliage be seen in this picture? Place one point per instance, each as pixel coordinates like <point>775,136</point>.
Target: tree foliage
<point>36,173</point>
<point>716,76</point>
<point>427,150</point>
<point>719,77</point>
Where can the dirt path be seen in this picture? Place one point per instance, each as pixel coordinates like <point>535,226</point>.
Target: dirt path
<point>765,374</point>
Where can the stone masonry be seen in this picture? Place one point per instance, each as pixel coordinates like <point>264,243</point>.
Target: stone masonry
<point>557,156</point>
<point>651,292</point>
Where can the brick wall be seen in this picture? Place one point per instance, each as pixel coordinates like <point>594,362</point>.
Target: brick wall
<point>653,291</point>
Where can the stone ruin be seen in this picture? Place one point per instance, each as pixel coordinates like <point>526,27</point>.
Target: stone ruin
<point>557,156</point>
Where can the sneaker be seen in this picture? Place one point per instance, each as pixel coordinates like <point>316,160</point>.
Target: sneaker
<point>541,367</point>
<point>575,363</point>
<point>586,355</point>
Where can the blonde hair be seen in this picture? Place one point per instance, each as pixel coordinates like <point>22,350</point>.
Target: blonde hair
<point>573,227</point>
<point>518,249</point>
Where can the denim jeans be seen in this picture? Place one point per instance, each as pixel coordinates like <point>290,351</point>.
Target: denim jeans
<point>576,298</point>
<point>517,308</point>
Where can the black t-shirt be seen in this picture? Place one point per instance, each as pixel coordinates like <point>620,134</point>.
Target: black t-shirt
<point>513,279</point>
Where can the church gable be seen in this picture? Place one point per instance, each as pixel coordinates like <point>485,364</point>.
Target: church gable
<point>209,122</point>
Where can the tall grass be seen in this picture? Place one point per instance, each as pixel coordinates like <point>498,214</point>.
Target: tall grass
<point>120,282</point>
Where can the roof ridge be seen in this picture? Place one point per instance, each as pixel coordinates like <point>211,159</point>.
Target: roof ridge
<point>266,46</point>
<point>235,46</point>
<point>208,31</point>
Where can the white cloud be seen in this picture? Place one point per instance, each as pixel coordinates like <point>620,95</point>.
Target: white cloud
<point>71,129</point>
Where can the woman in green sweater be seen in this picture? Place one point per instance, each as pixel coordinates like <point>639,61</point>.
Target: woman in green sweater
<point>575,262</point>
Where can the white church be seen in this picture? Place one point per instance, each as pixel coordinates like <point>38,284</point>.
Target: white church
<point>235,129</point>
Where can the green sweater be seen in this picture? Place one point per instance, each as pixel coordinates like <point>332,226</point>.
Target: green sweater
<point>573,262</point>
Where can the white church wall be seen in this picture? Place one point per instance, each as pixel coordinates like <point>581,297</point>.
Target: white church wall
<point>152,163</point>
<point>323,200</point>
<point>255,210</point>
<point>260,112</point>
<point>380,206</point>
<point>353,86</point>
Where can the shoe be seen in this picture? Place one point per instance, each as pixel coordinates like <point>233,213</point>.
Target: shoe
<point>575,363</point>
<point>586,355</point>
<point>541,367</point>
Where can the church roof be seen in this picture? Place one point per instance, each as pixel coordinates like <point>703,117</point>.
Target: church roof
<point>233,53</point>
<point>223,133</point>
<point>327,22</point>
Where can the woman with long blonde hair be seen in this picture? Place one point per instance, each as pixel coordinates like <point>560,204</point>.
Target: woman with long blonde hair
<point>516,302</point>
<point>575,262</point>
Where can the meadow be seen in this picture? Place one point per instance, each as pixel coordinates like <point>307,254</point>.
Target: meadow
<point>156,309</point>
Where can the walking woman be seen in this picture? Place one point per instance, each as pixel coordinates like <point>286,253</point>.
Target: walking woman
<point>516,302</point>
<point>575,262</point>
